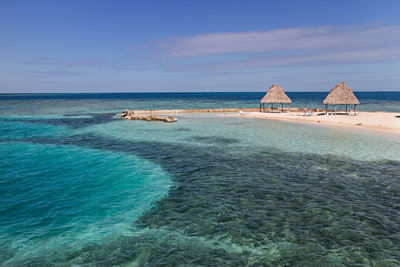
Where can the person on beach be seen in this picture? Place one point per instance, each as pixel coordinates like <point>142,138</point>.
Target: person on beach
<point>305,110</point>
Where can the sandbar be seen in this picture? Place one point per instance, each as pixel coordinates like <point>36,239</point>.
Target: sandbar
<point>382,121</point>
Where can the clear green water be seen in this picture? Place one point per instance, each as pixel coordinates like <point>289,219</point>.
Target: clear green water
<point>79,186</point>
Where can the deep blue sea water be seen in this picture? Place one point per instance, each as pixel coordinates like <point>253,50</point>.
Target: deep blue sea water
<point>79,186</point>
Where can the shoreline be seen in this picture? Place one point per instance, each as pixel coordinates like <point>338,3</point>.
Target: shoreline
<point>379,121</point>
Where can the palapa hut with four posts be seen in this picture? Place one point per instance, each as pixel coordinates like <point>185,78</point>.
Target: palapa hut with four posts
<point>341,94</point>
<point>275,94</point>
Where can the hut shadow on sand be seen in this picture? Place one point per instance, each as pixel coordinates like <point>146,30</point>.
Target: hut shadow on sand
<point>275,94</point>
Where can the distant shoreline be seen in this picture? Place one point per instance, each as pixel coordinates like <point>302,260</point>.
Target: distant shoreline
<point>179,92</point>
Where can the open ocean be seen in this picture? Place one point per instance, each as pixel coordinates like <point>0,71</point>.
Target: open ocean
<point>80,186</point>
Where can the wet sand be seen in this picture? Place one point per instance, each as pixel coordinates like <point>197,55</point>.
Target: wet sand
<point>382,121</point>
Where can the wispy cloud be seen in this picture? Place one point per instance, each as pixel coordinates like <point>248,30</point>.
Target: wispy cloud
<point>55,73</point>
<point>248,51</point>
<point>291,39</point>
<point>335,57</point>
<point>282,47</point>
<point>137,48</point>
<point>83,62</point>
<point>41,60</point>
<point>86,62</point>
<point>125,62</point>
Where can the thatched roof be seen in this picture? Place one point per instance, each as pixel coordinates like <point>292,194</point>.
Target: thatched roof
<point>275,94</point>
<point>341,94</point>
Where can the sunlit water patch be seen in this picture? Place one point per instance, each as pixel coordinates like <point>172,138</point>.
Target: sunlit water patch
<point>237,132</point>
<point>58,199</point>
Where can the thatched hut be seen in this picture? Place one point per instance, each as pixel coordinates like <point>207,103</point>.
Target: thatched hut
<point>341,94</point>
<point>275,94</point>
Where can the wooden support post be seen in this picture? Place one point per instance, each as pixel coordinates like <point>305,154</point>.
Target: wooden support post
<point>346,108</point>
<point>281,107</point>
<point>326,109</point>
<point>335,109</point>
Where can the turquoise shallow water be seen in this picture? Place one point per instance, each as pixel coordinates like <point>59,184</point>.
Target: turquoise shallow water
<point>80,186</point>
<point>65,197</point>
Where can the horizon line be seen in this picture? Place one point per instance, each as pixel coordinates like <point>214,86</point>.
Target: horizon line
<point>187,92</point>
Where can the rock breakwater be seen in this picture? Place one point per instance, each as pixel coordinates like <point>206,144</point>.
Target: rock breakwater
<point>131,115</point>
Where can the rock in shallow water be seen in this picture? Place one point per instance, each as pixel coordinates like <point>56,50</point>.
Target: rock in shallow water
<point>130,115</point>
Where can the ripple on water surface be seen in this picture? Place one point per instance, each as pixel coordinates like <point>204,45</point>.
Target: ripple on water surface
<point>67,197</point>
<point>259,206</point>
<point>246,193</point>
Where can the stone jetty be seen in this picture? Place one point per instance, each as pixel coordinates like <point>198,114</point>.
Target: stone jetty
<point>148,115</point>
<point>176,111</point>
<point>132,115</point>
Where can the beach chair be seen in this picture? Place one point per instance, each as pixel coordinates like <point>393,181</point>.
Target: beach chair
<point>353,113</point>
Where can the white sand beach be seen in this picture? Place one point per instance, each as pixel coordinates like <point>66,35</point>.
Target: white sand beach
<point>382,121</point>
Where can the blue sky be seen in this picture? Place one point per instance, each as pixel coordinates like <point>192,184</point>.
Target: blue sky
<point>158,46</point>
